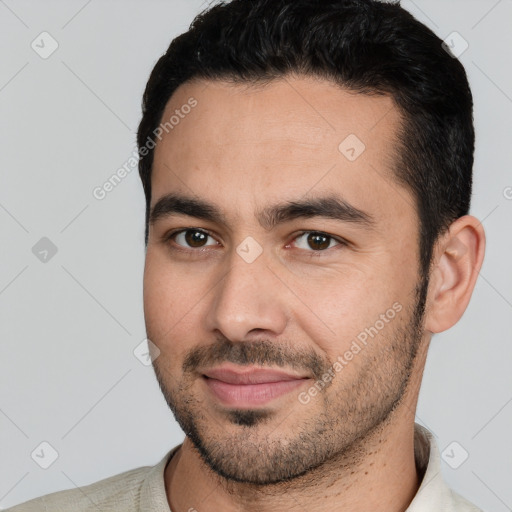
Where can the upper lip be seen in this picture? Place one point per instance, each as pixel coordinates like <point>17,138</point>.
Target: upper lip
<point>250,375</point>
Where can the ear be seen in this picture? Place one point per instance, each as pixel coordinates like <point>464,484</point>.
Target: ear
<point>457,259</point>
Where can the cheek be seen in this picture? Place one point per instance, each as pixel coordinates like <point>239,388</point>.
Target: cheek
<point>335,310</point>
<point>171,299</point>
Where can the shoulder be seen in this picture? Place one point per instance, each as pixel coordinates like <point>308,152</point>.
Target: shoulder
<point>113,493</point>
<point>461,504</point>
<point>124,492</point>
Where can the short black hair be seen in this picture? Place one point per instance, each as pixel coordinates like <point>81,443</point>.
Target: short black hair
<point>367,46</point>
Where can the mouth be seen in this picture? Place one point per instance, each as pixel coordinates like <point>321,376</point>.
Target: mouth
<point>243,387</point>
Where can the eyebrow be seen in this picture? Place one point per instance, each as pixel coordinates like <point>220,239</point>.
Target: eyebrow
<point>331,207</point>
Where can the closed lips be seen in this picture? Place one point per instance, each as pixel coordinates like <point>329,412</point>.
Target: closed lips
<point>250,377</point>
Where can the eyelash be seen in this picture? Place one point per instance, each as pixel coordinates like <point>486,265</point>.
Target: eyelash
<point>313,253</point>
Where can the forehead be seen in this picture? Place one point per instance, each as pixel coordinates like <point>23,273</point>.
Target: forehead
<point>242,146</point>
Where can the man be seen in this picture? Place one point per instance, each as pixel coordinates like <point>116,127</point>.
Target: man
<point>307,169</point>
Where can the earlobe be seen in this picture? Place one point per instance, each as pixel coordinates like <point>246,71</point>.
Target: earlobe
<point>458,257</point>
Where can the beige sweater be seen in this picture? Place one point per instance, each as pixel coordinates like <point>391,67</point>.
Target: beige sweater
<point>143,489</point>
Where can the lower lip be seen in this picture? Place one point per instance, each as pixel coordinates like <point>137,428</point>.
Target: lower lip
<point>250,395</point>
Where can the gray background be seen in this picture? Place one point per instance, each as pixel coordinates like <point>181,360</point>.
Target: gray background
<point>69,326</point>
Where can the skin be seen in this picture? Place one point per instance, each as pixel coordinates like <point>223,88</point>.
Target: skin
<point>244,148</point>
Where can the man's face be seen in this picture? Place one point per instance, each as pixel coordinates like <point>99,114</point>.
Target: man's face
<point>283,338</point>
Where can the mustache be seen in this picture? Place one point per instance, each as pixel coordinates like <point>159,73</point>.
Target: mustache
<point>263,353</point>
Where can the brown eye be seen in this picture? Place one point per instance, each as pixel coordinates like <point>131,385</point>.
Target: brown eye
<point>318,241</point>
<point>315,241</point>
<point>195,238</point>
<point>192,238</point>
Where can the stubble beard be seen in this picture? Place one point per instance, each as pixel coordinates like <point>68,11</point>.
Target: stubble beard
<point>253,449</point>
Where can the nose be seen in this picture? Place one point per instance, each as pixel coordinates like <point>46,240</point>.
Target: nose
<point>248,300</point>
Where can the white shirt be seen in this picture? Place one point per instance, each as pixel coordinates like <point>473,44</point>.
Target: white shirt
<point>143,489</point>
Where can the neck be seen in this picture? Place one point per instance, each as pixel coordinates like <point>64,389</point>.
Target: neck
<point>379,473</point>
